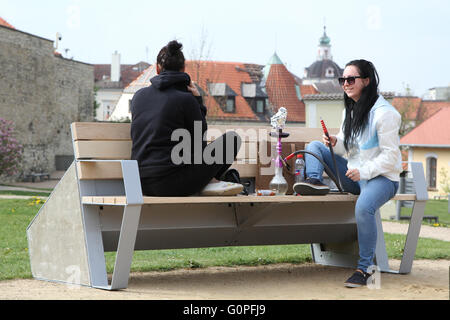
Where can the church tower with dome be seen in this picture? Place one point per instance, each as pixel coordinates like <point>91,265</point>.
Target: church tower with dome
<point>324,69</point>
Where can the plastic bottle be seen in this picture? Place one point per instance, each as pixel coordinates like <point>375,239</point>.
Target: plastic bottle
<point>299,169</point>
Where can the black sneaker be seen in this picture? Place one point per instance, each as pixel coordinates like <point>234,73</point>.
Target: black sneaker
<point>311,186</point>
<point>358,279</point>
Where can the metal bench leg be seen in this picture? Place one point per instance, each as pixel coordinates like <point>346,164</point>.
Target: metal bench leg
<point>94,245</point>
<point>412,237</point>
<point>125,249</point>
<point>414,226</point>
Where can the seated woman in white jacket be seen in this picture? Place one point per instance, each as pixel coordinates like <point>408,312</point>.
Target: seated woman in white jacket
<point>367,156</point>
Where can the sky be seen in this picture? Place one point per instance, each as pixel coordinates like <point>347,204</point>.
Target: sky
<point>408,41</point>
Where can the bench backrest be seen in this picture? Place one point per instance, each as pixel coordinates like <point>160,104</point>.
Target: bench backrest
<point>112,141</point>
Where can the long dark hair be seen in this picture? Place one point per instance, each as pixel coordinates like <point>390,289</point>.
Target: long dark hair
<point>356,121</point>
<point>171,58</point>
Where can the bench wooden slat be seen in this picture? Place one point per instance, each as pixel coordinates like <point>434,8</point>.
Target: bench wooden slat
<point>237,199</point>
<point>99,170</point>
<point>100,131</point>
<point>113,150</point>
<point>405,197</point>
<point>113,170</point>
<point>116,150</point>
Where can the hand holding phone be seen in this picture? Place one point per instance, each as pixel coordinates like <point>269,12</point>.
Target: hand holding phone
<point>192,88</point>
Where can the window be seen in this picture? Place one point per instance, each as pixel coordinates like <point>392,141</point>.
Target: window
<point>329,73</point>
<point>259,106</point>
<point>431,172</point>
<point>230,106</point>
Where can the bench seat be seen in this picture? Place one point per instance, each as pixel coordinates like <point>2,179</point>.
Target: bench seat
<point>121,200</point>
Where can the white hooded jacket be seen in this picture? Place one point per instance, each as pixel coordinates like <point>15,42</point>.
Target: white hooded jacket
<point>376,151</point>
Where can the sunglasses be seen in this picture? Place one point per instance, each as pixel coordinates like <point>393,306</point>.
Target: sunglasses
<point>350,80</point>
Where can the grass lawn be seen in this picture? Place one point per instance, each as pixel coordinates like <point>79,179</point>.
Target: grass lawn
<point>437,208</point>
<point>15,216</point>
<point>24,193</point>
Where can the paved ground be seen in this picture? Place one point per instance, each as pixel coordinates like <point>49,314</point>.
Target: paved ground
<point>427,281</point>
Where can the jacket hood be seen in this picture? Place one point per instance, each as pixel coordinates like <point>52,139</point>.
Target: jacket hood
<point>381,102</point>
<point>168,79</point>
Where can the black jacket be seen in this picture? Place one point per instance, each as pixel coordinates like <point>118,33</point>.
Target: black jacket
<point>157,111</point>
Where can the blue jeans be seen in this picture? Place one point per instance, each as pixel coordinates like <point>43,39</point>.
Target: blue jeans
<point>372,195</point>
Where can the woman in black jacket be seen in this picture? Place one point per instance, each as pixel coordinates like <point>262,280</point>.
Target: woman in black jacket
<point>170,109</point>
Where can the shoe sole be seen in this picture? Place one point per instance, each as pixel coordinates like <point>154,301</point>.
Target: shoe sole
<point>225,192</point>
<point>310,189</point>
<point>352,285</point>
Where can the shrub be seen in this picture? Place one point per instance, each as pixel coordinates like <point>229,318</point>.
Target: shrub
<point>10,149</point>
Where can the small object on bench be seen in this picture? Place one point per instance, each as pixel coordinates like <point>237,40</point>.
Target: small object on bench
<point>265,193</point>
<point>278,182</point>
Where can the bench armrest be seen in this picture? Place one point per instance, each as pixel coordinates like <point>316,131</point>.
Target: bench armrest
<point>131,180</point>
<point>418,176</point>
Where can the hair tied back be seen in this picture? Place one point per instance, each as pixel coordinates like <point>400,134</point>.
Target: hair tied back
<point>173,47</point>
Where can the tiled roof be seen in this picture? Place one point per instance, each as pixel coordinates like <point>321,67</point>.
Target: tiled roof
<point>319,69</point>
<point>433,131</point>
<point>142,81</point>
<point>324,96</point>
<point>231,73</point>
<point>281,88</point>
<point>5,24</point>
<point>416,109</point>
<point>128,73</point>
<point>328,87</point>
<point>430,107</point>
<point>282,92</point>
<point>308,89</point>
<point>407,106</point>
<point>204,73</point>
<point>255,71</point>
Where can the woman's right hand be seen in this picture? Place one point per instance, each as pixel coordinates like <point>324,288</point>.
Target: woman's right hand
<point>327,142</point>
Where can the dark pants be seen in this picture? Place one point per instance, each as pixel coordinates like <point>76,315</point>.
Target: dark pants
<point>192,178</point>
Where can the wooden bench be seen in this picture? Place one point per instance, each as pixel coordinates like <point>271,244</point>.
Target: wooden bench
<point>34,176</point>
<point>98,206</point>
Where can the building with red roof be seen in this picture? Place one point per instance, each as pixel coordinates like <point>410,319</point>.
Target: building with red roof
<point>284,91</point>
<point>429,143</point>
<point>415,110</point>
<point>235,92</point>
<point>110,81</point>
<point>226,91</point>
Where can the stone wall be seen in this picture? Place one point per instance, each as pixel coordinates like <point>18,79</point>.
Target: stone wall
<point>43,94</point>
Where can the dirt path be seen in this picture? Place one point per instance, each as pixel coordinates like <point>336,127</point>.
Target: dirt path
<point>439,233</point>
<point>428,280</point>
